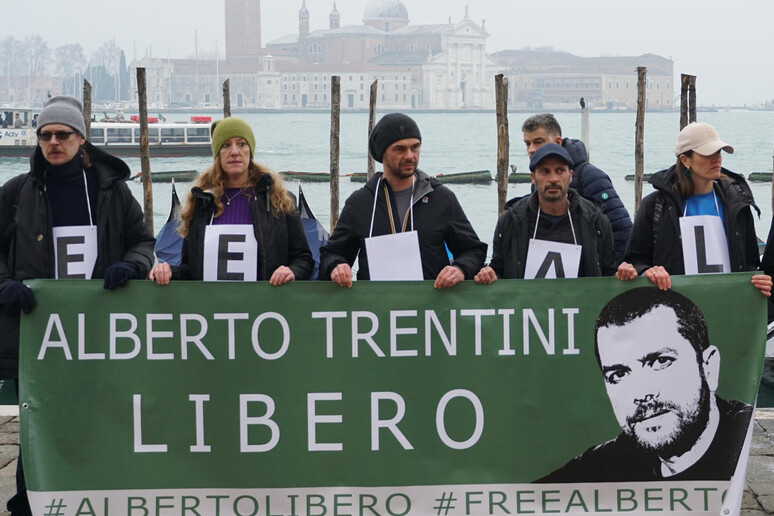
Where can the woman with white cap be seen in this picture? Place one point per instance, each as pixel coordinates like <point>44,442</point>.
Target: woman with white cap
<point>698,221</point>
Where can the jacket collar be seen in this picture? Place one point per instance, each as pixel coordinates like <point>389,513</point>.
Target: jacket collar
<point>109,168</point>
<point>262,187</point>
<point>664,179</point>
<point>572,196</point>
<point>424,184</point>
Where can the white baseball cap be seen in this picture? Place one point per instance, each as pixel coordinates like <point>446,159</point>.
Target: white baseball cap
<point>701,138</point>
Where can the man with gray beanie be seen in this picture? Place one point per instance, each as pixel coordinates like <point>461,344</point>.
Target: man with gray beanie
<point>71,216</point>
<point>404,218</point>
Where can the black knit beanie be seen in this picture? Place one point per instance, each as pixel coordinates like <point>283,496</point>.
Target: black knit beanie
<point>390,129</point>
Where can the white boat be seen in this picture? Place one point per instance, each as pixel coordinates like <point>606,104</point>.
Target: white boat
<point>118,137</point>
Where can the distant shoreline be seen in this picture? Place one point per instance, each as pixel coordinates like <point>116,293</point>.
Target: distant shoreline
<point>210,110</point>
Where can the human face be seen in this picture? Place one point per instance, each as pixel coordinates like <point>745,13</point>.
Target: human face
<point>552,179</point>
<point>658,390</point>
<point>400,160</point>
<point>704,169</point>
<point>234,158</point>
<point>537,138</point>
<point>56,151</point>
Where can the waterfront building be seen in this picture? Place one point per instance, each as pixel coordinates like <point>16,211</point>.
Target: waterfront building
<point>443,66</point>
<point>545,79</point>
<point>28,90</point>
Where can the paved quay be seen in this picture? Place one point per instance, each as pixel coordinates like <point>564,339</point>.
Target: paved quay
<point>758,496</point>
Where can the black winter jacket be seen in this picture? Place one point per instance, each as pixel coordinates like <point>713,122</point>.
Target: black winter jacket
<point>281,240</point>
<point>26,235</point>
<point>516,226</point>
<point>438,219</point>
<point>592,182</point>
<point>666,249</point>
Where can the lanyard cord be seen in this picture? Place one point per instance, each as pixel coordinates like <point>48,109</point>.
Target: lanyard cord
<point>373,211</point>
<point>714,196</point>
<point>88,202</point>
<point>569,216</point>
<point>389,208</point>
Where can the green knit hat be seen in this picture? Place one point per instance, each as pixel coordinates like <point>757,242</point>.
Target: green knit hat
<point>230,127</point>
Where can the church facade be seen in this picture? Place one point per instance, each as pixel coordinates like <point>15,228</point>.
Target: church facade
<point>442,66</point>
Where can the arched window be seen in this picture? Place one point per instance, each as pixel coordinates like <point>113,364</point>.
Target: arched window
<point>379,49</point>
<point>315,48</point>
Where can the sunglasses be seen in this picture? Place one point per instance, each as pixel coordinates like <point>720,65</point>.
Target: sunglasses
<point>60,135</point>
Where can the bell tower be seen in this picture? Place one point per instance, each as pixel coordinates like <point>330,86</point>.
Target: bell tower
<point>303,20</point>
<point>243,28</point>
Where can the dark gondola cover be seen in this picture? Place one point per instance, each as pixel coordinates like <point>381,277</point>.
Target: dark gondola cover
<point>316,234</point>
<point>169,243</point>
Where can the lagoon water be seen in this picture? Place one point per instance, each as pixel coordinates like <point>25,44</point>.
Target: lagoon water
<point>458,142</point>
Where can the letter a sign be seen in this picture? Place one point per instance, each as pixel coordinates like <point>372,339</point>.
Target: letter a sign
<point>546,259</point>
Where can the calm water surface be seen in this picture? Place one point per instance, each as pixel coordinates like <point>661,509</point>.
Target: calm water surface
<point>457,142</point>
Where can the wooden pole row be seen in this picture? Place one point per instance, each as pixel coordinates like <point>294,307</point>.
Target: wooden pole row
<point>687,115</point>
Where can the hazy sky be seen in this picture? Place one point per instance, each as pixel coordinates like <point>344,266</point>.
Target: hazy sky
<point>726,44</point>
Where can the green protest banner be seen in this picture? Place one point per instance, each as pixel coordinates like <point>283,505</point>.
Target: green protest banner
<point>388,398</point>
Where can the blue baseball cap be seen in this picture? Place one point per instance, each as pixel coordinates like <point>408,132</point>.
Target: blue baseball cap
<point>548,150</point>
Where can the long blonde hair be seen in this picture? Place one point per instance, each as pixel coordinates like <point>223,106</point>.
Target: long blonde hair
<point>212,180</point>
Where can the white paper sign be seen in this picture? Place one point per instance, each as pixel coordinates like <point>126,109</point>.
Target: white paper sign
<point>394,257</point>
<point>75,251</point>
<point>230,253</point>
<point>547,259</point>
<point>705,248</point>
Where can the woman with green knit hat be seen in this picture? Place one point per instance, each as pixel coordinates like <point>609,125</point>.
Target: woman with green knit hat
<point>240,223</point>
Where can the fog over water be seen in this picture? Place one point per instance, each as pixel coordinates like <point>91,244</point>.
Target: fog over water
<point>724,44</point>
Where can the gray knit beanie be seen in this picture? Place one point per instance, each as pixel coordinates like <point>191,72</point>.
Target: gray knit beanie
<point>63,110</point>
<point>390,129</point>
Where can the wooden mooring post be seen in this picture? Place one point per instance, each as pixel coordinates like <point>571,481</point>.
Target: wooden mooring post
<point>335,141</point>
<point>687,99</point>
<point>147,186</point>
<point>639,137</point>
<point>503,140</point>
<point>226,98</point>
<point>772,182</point>
<point>585,130</point>
<point>87,108</point>
<point>371,168</point>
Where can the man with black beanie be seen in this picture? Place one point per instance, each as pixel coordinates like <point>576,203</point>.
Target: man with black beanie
<point>71,216</point>
<point>403,199</point>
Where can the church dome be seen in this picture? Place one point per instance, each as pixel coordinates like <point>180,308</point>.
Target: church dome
<point>385,10</point>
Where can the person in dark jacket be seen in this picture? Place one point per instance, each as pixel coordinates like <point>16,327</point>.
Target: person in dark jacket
<point>767,264</point>
<point>240,223</point>
<point>73,193</point>
<point>546,228</point>
<point>587,180</point>
<point>696,186</point>
<point>402,201</point>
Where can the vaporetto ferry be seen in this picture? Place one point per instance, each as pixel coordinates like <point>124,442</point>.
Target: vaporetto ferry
<point>116,136</point>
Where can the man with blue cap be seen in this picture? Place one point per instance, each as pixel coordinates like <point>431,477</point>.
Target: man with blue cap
<point>552,233</point>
